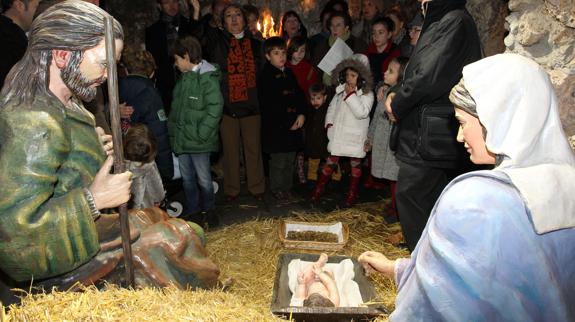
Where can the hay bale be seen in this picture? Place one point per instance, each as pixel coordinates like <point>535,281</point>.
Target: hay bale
<point>245,252</point>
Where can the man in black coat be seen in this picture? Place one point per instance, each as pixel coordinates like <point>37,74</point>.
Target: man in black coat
<point>16,19</point>
<point>448,41</point>
<point>159,38</point>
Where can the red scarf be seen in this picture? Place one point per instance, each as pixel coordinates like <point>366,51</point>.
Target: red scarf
<point>241,69</point>
<point>391,51</point>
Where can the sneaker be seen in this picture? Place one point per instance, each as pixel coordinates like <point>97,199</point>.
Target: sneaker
<point>210,219</point>
<point>195,217</point>
<point>391,219</point>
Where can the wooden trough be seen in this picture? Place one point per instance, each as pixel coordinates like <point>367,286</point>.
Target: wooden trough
<point>338,228</point>
<point>282,295</point>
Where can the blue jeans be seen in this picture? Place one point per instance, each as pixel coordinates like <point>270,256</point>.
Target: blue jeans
<point>195,169</point>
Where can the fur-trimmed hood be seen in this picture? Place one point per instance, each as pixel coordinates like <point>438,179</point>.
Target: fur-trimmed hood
<point>358,62</point>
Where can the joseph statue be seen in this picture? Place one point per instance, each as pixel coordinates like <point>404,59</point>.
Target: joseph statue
<point>55,172</point>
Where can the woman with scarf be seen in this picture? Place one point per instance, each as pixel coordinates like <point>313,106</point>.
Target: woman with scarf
<point>339,24</point>
<point>499,244</point>
<point>239,57</point>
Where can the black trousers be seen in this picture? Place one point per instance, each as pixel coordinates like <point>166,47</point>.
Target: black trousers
<point>418,188</point>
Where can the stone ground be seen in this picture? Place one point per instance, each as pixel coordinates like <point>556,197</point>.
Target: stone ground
<point>246,207</point>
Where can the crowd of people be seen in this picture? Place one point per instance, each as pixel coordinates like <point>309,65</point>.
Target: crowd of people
<point>211,89</point>
<point>274,106</point>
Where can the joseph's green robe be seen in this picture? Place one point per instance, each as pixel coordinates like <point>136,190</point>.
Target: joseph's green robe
<point>48,154</point>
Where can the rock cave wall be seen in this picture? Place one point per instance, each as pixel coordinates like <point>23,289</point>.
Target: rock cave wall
<point>544,30</point>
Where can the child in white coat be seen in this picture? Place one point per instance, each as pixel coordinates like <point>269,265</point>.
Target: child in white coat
<point>347,121</point>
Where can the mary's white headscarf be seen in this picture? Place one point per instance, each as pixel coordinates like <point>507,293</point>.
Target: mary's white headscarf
<point>517,106</point>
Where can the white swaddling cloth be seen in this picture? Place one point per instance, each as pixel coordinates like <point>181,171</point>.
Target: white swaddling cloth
<point>349,294</point>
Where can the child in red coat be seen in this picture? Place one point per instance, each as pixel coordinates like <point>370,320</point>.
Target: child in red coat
<point>306,76</point>
<point>303,70</point>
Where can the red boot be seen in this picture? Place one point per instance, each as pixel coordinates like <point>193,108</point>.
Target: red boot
<point>369,182</point>
<point>352,193</point>
<point>373,183</point>
<point>390,213</point>
<point>320,186</point>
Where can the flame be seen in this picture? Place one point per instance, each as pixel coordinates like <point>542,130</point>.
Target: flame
<point>268,29</point>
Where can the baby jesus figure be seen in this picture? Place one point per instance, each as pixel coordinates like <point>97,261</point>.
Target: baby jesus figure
<point>316,285</point>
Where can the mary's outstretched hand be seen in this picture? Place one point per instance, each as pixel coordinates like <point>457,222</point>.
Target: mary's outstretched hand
<point>376,262</point>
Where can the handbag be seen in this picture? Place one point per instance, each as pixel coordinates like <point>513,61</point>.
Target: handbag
<point>437,133</point>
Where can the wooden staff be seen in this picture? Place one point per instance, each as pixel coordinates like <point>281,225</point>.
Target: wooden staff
<point>118,147</point>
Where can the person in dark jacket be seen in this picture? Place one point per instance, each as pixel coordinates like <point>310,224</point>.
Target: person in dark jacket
<point>370,11</point>
<point>323,34</point>
<point>15,20</point>
<point>253,17</point>
<point>160,37</point>
<point>239,58</point>
<point>193,125</point>
<point>315,131</point>
<point>448,41</point>
<point>207,29</point>
<point>381,49</point>
<point>282,103</point>
<point>137,90</point>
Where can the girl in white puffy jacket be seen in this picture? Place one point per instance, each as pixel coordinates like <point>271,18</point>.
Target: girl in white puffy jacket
<point>347,121</point>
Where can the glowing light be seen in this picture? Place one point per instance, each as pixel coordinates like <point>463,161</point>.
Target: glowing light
<point>308,5</point>
<point>268,28</point>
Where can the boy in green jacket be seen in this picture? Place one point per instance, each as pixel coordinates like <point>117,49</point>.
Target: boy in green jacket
<point>193,125</point>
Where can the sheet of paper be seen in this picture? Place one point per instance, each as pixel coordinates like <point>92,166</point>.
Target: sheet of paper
<point>338,52</point>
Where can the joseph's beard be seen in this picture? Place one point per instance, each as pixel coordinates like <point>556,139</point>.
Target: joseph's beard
<point>78,84</point>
